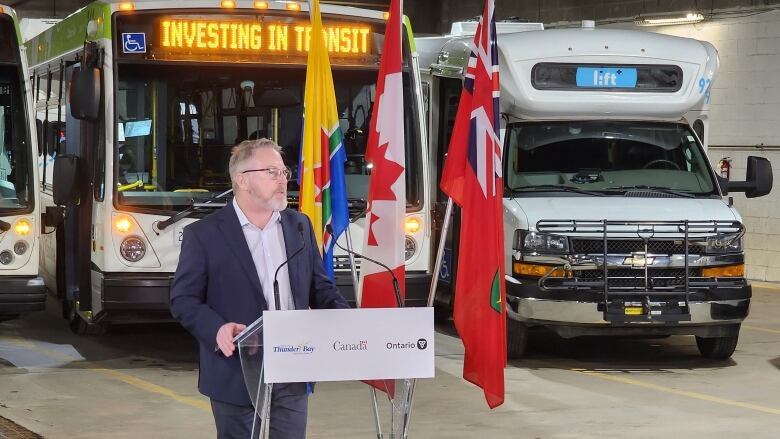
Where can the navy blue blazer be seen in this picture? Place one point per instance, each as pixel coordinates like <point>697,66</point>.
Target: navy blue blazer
<point>216,282</point>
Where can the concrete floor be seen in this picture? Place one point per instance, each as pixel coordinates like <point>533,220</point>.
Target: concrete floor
<point>141,382</point>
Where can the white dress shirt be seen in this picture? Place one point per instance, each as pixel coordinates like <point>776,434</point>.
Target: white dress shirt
<point>268,252</point>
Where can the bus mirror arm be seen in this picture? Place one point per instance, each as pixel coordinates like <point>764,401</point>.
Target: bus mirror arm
<point>758,178</point>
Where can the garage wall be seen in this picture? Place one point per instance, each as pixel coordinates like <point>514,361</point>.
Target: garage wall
<point>746,120</point>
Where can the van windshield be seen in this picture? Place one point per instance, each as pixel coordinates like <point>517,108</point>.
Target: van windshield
<point>609,157</point>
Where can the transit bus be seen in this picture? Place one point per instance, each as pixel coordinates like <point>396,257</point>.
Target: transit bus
<point>160,91</point>
<point>615,222</point>
<point>21,289</point>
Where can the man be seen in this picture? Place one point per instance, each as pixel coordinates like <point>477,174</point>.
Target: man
<point>224,281</point>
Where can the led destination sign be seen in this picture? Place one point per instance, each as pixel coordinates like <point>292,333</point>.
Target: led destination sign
<point>218,36</point>
<point>244,38</point>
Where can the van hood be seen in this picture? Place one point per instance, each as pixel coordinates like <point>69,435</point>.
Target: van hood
<point>618,209</point>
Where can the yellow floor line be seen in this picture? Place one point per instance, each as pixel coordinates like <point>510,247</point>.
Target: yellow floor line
<point>111,373</point>
<point>766,285</point>
<point>688,394</point>
<point>756,328</point>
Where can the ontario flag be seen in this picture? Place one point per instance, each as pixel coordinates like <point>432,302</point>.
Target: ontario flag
<point>323,192</point>
<point>472,178</point>
<point>384,234</point>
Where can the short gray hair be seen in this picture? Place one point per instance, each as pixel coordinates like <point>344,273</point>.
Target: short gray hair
<point>244,150</point>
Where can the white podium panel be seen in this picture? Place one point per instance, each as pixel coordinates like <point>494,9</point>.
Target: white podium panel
<point>348,344</point>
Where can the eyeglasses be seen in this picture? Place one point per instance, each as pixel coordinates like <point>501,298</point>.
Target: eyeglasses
<point>272,173</point>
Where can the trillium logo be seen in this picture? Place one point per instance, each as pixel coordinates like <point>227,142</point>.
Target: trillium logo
<point>422,344</point>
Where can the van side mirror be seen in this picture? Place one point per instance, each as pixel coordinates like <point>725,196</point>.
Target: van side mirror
<point>758,179</point>
<point>723,183</point>
<point>66,180</point>
<point>84,93</point>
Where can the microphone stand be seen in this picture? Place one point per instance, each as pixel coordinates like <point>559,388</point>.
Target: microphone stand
<point>277,300</point>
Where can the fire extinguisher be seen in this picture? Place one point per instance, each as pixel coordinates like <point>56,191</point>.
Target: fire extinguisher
<point>724,167</point>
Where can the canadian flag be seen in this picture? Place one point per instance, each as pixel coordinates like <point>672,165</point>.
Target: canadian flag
<point>384,237</point>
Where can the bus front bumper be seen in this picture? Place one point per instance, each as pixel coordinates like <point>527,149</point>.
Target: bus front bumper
<point>21,294</point>
<point>713,312</point>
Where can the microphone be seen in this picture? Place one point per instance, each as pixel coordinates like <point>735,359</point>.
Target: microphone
<point>396,287</point>
<point>277,301</point>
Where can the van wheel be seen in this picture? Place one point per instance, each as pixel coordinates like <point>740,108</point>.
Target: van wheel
<point>516,339</point>
<point>717,348</point>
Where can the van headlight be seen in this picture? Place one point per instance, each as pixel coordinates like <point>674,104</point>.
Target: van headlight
<point>535,242</point>
<point>727,243</point>
<point>132,248</point>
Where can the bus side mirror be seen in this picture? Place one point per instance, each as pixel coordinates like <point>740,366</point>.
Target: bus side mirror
<point>66,180</point>
<point>53,216</point>
<point>84,93</point>
<point>758,179</point>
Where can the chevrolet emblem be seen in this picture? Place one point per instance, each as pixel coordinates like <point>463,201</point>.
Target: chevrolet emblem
<point>638,260</point>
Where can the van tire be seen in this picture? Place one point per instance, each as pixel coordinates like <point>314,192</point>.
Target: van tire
<point>516,338</point>
<point>717,348</point>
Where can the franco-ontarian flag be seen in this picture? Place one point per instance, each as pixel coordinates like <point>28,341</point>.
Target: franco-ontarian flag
<point>323,193</point>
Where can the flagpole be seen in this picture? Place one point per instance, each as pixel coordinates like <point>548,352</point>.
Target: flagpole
<point>440,252</point>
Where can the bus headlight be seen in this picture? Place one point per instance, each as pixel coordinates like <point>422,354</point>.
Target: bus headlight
<point>132,248</point>
<point>20,247</point>
<point>410,247</point>
<point>6,257</point>
<point>22,227</point>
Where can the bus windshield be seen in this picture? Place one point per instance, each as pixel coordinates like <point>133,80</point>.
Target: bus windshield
<point>14,144</point>
<point>605,156</point>
<point>176,124</point>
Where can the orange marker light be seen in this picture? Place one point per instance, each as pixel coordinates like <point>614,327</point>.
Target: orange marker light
<point>293,7</point>
<point>123,224</point>
<point>127,6</point>
<point>22,227</point>
<point>385,15</point>
<point>261,5</point>
<point>412,225</point>
<point>229,4</point>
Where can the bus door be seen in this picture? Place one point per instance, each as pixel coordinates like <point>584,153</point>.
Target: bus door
<point>80,140</point>
<point>445,103</point>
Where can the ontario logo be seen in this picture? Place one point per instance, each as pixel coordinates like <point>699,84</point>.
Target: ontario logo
<point>299,349</point>
<point>420,344</point>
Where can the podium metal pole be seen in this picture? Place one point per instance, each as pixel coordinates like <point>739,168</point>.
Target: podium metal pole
<point>358,298</point>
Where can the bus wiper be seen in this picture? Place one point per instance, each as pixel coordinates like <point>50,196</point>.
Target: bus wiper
<point>4,226</point>
<point>556,188</point>
<point>661,189</point>
<point>162,225</point>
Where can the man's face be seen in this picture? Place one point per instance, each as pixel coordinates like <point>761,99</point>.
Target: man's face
<point>265,191</point>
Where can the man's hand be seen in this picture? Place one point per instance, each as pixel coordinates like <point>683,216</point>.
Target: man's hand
<point>225,337</point>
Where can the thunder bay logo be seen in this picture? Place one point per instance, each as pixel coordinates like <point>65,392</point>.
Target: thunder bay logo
<point>299,349</point>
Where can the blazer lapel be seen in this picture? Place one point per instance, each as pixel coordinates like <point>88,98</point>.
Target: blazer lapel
<point>292,242</point>
<point>236,241</point>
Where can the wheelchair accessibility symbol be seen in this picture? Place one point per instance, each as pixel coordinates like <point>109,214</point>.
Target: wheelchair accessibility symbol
<point>134,42</point>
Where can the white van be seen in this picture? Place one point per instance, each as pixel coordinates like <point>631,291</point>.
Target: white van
<point>614,221</point>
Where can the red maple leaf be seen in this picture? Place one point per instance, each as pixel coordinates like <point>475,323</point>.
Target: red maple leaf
<point>385,172</point>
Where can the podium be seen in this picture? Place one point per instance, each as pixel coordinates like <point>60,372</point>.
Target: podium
<point>380,345</point>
